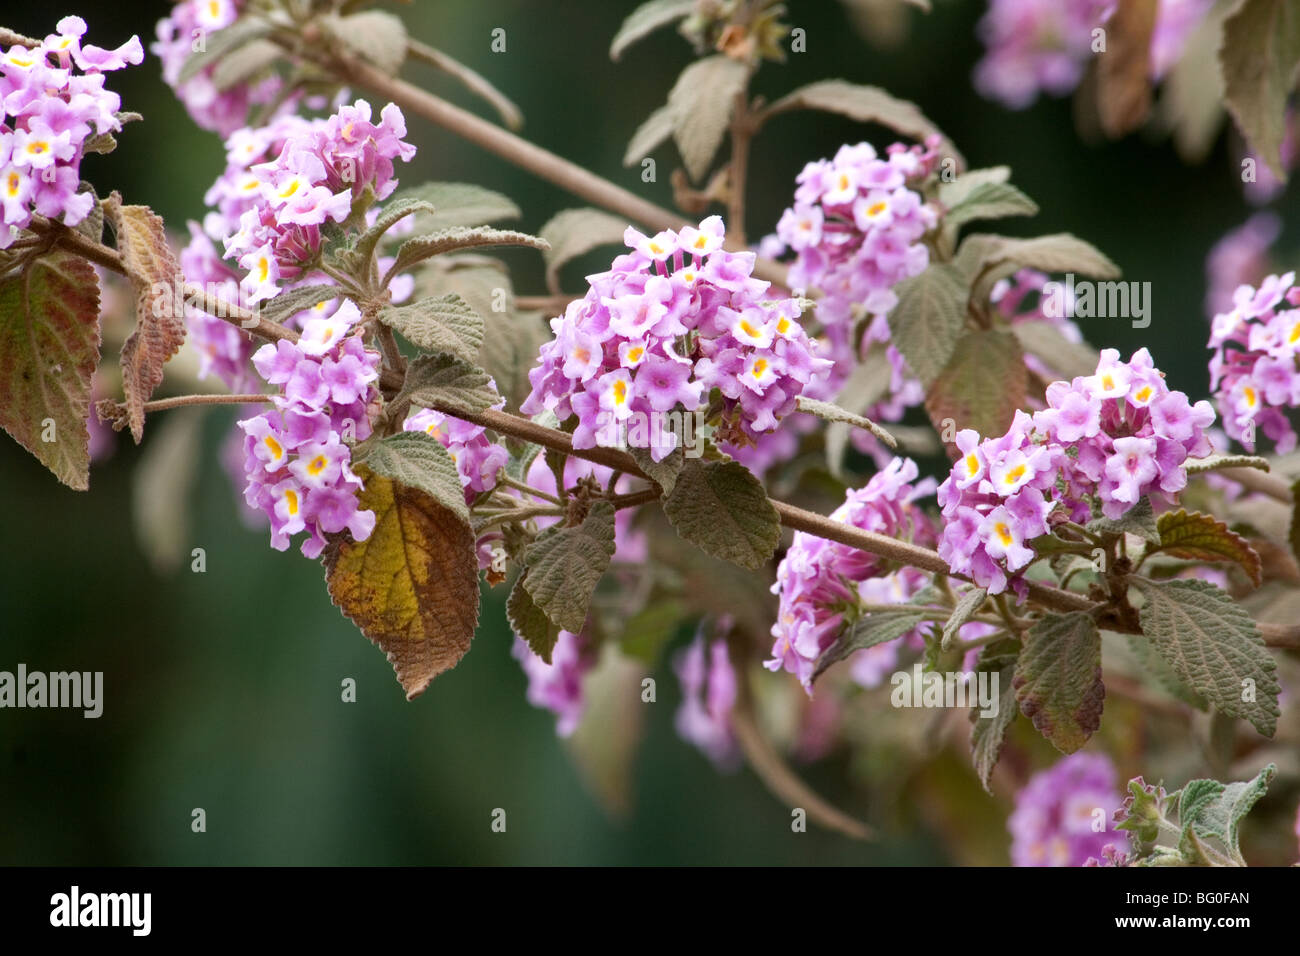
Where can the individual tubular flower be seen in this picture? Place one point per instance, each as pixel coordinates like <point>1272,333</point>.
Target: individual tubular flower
<point>48,112</point>
<point>820,583</point>
<point>1103,442</point>
<point>673,319</point>
<point>296,460</point>
<point>178,38</point>
<point>314,179</point>
<point>708,695</point>
<point>478,459</point>
<point>1062,816</point>
<point>557,686</point>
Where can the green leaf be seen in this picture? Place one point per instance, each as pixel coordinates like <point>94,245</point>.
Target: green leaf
<point>829,412</point>
<point>566,563</point>
<point>702,101</point>
<point>966,608</point>
<point>1048,344</point>
<point>1198,537</point>
<point>646,632</point>
<point>955,192</point>
<point>390,214</point>
<point>645,19</point>
<point>49,348</point>
<point>988,734</point>
<point>292,301</point>
<point>245,64</point>
<point>722,509</point>
<point>1058,679</point>
<point>1258,58</point>
<point>438,324</point>
<point>418,249</point>
<point>996,257</point>
<point>1213,646</point>
<point>990,201</point>
<point>981,386</point>
<point>447,383</point>
<point>1155,666</point>
<point>218,45</point>
<point>657,127</point>
<point>929,319</point>
<point>418,461</point>
<point>457,204</point>
<point>1213,809</point>
<point>159,326</point>
<point>1139,520</point>
<point>412,586</point>
<point>573,232</point>
<point>374,36</point>
<point>869,630</point>
<point>865,104</point>
<point>530,622</point>
<point>663,473</point>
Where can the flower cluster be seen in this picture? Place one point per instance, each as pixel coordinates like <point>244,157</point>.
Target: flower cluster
<point>1253,370</point>
<point>557,686</point>
<point>1102,443</point>
<point>673,319</point>
<point>478,459</point>
<point>1240,258</point>
<point>1057,814</point>
<point>315,178</point>
<point>856,229</point>
<point>220,110</point>
<point>821,583</point>
<point>1036,46</point>
<point>296,461</point>
<point>708,695</point>
<point>48,110</point>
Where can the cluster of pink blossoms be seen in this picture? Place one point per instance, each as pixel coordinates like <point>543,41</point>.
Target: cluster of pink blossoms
<point>313,179</point>
<point>1253,370</point>
<point>478,459</point>
<point>821,582</point>
<point>557,686</point>
<point>673,319</point>
<point>47,112</point>
<point>856,229</point>
<point>295,459</point>
<point>709,692</point>
<point>1053,823</point>
<point>1107,439</point>
<point>179,35</point>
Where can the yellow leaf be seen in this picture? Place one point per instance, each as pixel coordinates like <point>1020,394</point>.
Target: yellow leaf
<point>412,586</point>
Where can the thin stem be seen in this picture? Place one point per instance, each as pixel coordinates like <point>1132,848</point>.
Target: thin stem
<point>1252,479</point>
<point>528,489</point>
<point>472,80</point>
<point>179,401</point>
<point>742,134</point>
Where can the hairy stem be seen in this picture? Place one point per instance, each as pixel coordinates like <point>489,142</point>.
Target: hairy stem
<point>470,79</point>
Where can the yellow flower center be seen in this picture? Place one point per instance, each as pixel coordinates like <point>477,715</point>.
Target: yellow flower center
<point>1143,394</point>
<point>972,464</point>
<point>701,241</point>
<point>634,354</point>
<point>1251,397</point>
<point>748,328</point>
<point>1107,381</point>
<point>291,500</point>
<point>783,325</point>
<point>1015,474</point>
<point>12,183</point>
<point>1003,533</point>
<point>875,209</point>
<point>317,465</point>
<point>760,366</point>
<point>620,392</point>
<point>276,448</point>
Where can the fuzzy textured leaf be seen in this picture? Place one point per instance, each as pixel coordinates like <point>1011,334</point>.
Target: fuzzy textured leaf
<point>702,102</point>
<point>159,328</point>
<point>981,386</point>
<point>929,319</point>
<point>566,563</point>
<point>869,630</point>
<point>1200,537</point>
<point>658,126</point>
<point>1058,679</point>
<point>418,249</point>
<point>1214,647</point>
<point>375,36</point>
<point>645,19</point>
<point>1258,58</point>
<point>49,348</point>
<point>418,461</point>
<point>412,586</point>
<point>438,324</point>
<point>458,204</point>
<point>1214,809</point>
<point>530,622</point>
<point>573,232</point>
<point>988,734</point>
<point>721,508</point>
<point>990,201</point>
<point>447,383</point>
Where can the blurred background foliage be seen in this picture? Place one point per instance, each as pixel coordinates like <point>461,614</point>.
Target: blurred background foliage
<point>222,689</point>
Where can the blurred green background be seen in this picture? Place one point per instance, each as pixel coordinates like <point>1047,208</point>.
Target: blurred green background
<point>223,688</point>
